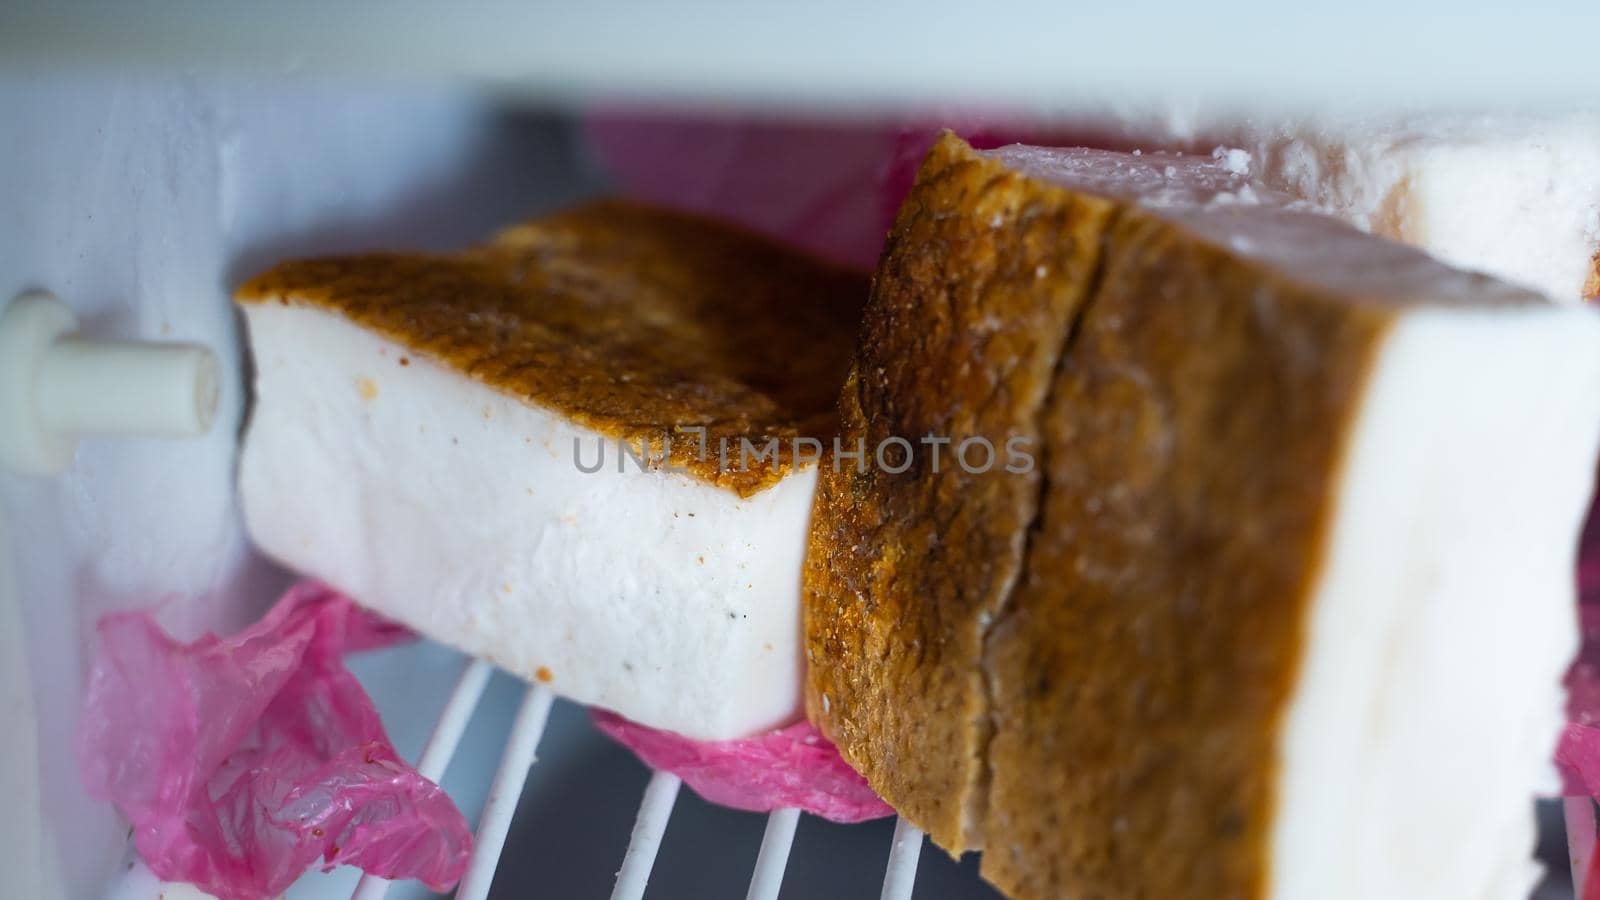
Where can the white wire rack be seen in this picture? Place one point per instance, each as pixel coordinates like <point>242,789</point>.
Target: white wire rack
<point>655,808</point>
<point>660,794</point>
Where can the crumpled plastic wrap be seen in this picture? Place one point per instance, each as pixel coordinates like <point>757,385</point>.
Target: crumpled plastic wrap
<point>242,762</point>
<point>794,766</point>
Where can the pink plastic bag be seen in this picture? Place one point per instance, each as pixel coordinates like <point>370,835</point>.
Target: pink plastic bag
<point>828,187</point>
<point>1578,755</point>
<point>243,761</point>
<point>790,767</point>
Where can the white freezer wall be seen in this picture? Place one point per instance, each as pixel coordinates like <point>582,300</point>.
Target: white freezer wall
<point>141,201</point>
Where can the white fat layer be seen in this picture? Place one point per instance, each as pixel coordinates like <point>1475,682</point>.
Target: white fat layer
<point>460,511</point>
<point>1518,198</point>
<point>1430,697</point>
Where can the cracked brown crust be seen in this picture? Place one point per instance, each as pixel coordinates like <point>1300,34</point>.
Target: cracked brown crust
<point>1193,444</point>
<point>1084,672</point>
<point>982,272</point>
<point>631,320</point>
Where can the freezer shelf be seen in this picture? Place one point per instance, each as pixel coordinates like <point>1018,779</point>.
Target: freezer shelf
<point>593,822</point>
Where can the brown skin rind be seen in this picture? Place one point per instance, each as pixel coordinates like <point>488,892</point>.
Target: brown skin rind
<point>1144,670</point>
<point>967,314</point>
<point>634,321</point>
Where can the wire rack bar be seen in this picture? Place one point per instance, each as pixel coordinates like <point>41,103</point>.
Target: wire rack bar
<point>904,852</point>
<point>774,855</point>
<point>654,810</point>
<point>1579,812</point>
<point>504,792</point>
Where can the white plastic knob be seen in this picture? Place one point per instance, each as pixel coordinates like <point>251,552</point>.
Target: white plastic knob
<point>55,387</point>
